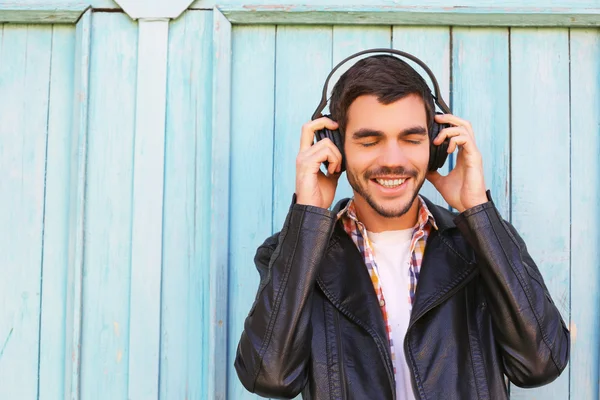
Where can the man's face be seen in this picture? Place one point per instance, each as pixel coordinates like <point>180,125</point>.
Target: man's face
<point>387,152</point>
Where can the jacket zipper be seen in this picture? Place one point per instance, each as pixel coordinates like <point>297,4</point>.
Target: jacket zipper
<point>340,354</point>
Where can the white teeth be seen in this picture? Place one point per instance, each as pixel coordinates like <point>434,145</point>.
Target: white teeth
<point>390,182</point>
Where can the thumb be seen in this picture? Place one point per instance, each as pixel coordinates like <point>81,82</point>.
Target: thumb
<point>435,178</point>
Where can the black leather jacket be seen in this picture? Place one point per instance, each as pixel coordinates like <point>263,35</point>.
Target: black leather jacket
<point>481,310</point>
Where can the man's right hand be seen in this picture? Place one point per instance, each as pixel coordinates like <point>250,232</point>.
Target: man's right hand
<point>313,187</point>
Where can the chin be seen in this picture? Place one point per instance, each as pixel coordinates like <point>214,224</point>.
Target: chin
<point>391,209</point>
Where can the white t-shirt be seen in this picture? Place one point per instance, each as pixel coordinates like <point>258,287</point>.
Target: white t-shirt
<point>392,256</point>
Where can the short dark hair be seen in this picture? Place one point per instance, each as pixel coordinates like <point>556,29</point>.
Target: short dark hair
<point>387,77</point>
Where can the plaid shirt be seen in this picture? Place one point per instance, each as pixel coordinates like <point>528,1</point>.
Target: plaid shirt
<point>357,231</point>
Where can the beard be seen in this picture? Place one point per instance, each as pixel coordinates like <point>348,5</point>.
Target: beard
<point>390,212</point>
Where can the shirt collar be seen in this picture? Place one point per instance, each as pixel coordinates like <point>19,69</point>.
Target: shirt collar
<point>424,215</point>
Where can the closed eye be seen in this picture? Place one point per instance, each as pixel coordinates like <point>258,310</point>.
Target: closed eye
<point>369,144</point>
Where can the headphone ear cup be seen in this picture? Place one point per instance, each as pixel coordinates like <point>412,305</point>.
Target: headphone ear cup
<point>339,143</point>
<point>437,154</point>
<point>336,137</point>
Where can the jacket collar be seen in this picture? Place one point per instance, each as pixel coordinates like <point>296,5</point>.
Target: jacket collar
<point>444,219</point>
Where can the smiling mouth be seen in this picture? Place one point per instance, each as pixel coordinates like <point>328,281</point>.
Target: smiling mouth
<point>390,183</point>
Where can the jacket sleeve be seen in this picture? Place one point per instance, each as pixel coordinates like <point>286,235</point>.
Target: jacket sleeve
<point>529,330</point>
<point>274,349</point>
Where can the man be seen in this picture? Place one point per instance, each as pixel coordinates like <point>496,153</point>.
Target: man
<point>389,296</point>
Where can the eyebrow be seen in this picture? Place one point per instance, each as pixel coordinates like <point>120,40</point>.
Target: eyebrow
<point>366,132</point>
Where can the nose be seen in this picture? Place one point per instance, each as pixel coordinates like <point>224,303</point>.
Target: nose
<point>393,154</point>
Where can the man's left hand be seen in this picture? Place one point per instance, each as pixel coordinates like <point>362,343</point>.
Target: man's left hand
<point>464,186</point>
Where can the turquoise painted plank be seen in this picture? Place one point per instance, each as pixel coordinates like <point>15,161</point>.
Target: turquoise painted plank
<point>185,313</point>
<point>455,4</point>
<point>480,76</point>
<point>219,221</point>
<point>540,143</point>
<point>346,41</point>
<point>56,217</point>
<point>303,62</point>
<point>585,192</point>
<point>444,14</point>
<point>108,212</point>
<point>252,110</point>
<point>147,208</point>
<point>78,160</point>
<point>432,46</point>
<point>25,58</point>
<point>450,4</point>
<point>26,12</point>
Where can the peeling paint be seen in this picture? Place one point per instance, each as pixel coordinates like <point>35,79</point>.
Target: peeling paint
<point>116,329</point>
<point>573,329</point>
<point>119,356</point>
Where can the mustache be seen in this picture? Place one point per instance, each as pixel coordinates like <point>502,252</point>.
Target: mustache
<point>391,171</point>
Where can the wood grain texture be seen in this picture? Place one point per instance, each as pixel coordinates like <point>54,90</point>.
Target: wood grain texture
<point>540,143</point>
<point>346,41</point>
<point>147,208</point>
<point>56,217</point>
<point>252,123</point>
<point>456,4</point>
<point>534,5</point>
<point>480,95</point>
<point>303,62</point>
<point>77,180</point>
<point>411,14</point>
<point>185,312</point>
<point>25,60</point>
<point>585,192</point>
<point>29,12</point>
<point>108,212</point>
<point>219,204</point>
<point>432,46</point>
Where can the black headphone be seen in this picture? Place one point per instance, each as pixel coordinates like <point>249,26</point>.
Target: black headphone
<point>437,154</point>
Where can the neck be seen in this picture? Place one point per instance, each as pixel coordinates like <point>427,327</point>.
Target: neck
<point>375,222</point>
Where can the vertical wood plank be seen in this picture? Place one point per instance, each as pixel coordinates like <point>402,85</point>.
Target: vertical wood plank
<point>540,143</point>
<point>25,58</point>
<point>585,192</point>
<point>219,224</point>
<point>56,216</point>
<point>252,111</point>
<point>481,96</point>
<point>146,245</point>
<point>185,315</point>
<point>77,179</point>
<point>108,212</point>
<point>303,62</point>
<point>346,41</point>
<point>432,46</point>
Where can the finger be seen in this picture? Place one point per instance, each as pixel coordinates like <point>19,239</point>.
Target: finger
<point>333,159</point>
<point>454,120</point>
<point>309,128</point>
<point>449,133</point>
<point>324,153</point>
<point>328,144</point>
<point>456,141</point>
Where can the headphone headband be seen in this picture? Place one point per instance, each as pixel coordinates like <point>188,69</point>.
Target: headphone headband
<point>438,97</point>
